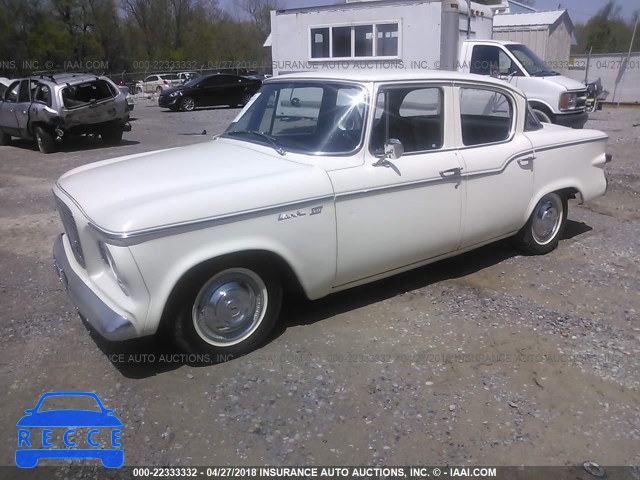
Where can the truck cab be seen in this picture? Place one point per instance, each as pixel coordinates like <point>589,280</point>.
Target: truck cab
<point>553,97</point>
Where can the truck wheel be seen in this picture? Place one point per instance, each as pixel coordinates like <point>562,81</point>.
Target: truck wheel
<point>4,139</point>
<point>46,143</point>
<point>542,116</point>
<point>545,225</point>
<point>229,312</point>
<point>113,136</point>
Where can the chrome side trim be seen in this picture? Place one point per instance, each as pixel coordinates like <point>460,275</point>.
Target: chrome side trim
<point>105,321</point>
<point>439,179</point>
<point>139,236</point>
<point>571,144</point>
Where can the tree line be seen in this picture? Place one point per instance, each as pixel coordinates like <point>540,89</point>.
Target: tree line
<point>151,35</point>
<point>130,35</point>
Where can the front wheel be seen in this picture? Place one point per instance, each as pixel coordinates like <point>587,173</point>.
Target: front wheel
<point>187,104</point>
<point>230,311</point>
<point>545,226</point>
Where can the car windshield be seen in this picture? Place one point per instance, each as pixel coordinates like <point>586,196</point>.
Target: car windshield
<point>533,64</point>
<point>316,118</point>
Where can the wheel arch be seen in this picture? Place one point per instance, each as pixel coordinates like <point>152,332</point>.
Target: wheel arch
<point>543,107</point>
<point>290,280</point>
<point>564,190</point>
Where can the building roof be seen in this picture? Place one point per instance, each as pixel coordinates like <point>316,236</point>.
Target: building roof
<point>529,19</point>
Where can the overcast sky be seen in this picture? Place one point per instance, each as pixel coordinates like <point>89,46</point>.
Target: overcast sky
<point>579,10</point>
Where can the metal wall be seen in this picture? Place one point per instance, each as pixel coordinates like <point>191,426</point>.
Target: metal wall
<point>616,76</point>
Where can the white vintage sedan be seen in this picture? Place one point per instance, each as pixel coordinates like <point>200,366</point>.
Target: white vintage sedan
<point>322,183</point>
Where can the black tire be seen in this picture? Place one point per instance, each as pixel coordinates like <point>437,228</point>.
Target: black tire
<point>543,116</point>
<point>545,226</point>
<point>113,136</point>
<point>187,104</point>
<point>227,331</point>
<point>4,139</point>
<point>46,143</point>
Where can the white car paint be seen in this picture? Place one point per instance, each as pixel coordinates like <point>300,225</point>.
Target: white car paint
<point>162,213</point>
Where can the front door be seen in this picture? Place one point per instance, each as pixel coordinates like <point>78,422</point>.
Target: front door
<point>395,214</point>
<point>8,120</point>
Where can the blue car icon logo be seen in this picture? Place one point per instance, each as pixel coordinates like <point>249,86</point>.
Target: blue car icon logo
<point>78,433</point>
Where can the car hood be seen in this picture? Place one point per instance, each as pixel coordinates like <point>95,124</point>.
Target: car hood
<point>566,82</point>
<point>206,180</point>
<point>69,418</point>
<point>167,91</point>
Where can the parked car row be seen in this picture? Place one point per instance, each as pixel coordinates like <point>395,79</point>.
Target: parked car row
<point>159,82</point>
<point>49,108</point>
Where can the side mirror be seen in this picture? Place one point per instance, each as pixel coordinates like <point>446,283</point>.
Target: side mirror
<point>393,149</point>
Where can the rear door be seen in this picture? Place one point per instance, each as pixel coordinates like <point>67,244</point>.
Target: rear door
<point>498,164</point>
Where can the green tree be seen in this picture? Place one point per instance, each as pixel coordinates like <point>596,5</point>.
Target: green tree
<point>605,32</point>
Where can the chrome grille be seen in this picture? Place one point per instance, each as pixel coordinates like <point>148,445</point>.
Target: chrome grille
<point>71,229</point>
<point>582,99</point>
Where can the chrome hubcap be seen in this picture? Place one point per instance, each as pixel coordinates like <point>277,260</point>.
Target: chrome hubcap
<point>547,218</point>
<point>230,306</point>
<point>188,104</point>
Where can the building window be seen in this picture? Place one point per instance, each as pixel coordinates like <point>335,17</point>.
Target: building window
<point>341,42</point>
<point>319,42</point>
<point>387,44</point>
<point>364,40</point>
<point>356,41</point>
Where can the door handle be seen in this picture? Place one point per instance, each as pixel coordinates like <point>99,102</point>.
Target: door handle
<point>526,161</point>
<point>450,172</point>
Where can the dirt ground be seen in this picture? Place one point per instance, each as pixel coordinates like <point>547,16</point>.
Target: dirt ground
<point>490,358</point>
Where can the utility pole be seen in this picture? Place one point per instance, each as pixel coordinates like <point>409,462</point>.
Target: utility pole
<point>626,64</point>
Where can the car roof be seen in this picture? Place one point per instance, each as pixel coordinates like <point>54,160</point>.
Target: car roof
<point>371,75</point>
<point>67,78</point>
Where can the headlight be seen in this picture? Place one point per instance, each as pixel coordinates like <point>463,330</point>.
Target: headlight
<point>176,93</point>
<point>107,258</point>
<point>568,101</point>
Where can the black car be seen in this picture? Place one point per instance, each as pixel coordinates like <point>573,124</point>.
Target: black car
<point>211,90</point>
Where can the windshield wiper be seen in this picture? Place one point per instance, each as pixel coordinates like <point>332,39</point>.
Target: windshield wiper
<point>272,140</point>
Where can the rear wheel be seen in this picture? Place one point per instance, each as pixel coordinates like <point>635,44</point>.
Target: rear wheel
<point>230,310</point>
<point>4,138</point>
<point>112,136</point>
<point>46,143</point>
<point>545,226</point>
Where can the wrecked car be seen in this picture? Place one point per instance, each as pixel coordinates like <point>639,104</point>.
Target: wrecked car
<point>49,108</point>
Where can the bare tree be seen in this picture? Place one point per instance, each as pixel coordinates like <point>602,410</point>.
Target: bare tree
<point>260,12</point>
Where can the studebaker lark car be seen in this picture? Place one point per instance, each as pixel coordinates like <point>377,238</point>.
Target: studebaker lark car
<point>321,183</point>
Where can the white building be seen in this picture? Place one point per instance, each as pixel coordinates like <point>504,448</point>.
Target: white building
<point>548,34</point>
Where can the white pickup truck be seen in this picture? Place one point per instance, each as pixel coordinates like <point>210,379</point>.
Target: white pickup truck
<point>553,97</point>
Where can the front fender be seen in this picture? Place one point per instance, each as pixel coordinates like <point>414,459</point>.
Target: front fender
<point>306,243</point>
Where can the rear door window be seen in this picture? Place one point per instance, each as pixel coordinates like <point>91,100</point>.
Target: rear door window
<point>485,115</point>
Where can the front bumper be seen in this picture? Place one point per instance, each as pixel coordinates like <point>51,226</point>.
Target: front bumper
<point>101,317</point>
<point>167,101</point>
<point>573,120</point>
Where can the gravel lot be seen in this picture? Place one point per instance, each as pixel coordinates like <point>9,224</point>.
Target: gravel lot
<point>489,358</point>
